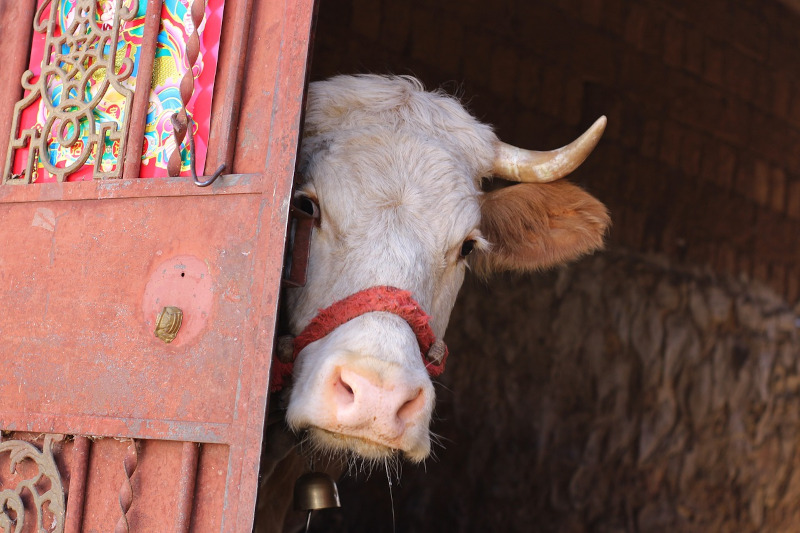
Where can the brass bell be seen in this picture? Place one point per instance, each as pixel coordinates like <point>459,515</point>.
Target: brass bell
<point>314,491</point>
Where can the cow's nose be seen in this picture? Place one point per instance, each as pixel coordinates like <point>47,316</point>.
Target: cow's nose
<point>366,401</point>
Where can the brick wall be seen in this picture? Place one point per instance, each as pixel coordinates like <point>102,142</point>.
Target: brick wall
<point>701,159</point>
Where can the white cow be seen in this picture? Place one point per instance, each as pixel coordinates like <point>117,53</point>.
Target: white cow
<point>395,174</point>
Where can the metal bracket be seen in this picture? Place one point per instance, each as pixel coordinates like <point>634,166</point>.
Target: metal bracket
<point>176,125</point>
<point>300,227</point>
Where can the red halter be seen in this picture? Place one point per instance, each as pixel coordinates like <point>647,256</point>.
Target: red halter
<point>381,298</point>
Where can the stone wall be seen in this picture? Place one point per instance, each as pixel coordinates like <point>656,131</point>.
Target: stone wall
<point>619,394</point>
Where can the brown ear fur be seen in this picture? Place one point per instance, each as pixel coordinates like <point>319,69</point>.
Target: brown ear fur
<point>535,226</point>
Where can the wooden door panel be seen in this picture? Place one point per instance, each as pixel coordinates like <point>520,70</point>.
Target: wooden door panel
<point>86,285</point>
<point>85,268</point>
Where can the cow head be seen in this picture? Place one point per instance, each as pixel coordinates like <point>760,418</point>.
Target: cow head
<point>394,174</point>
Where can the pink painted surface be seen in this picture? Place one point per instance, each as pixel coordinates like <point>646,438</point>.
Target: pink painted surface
<point>90,281</point>
<point>193,293</point>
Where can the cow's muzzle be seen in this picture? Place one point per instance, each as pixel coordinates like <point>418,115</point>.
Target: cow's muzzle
<point>375,299</point>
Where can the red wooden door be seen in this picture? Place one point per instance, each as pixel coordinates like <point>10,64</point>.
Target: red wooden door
<point>105,426</point>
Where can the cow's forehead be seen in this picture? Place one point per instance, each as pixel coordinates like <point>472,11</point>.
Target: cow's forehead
<point>404,176</point>
<point>390,159</point>
<point>352,105</point>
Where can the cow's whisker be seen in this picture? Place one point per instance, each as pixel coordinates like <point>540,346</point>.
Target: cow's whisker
<point>391,496</point>
<point>438,439</point>
<point>440,385</point>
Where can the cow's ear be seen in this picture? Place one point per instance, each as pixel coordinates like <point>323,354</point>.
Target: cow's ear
<point>536,226</point>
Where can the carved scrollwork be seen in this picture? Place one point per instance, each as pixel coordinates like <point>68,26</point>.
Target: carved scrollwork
<point>81,68</point>
<point>39,493</point>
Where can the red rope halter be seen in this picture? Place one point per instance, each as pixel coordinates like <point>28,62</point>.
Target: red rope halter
<point>380,298</point>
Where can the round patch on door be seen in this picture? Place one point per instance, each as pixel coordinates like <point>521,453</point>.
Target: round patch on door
<point>183,282</point>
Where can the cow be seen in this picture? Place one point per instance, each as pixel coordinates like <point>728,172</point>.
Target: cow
<point>396,179</point>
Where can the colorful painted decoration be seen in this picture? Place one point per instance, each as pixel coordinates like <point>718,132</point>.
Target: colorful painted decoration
<point>89,53</point>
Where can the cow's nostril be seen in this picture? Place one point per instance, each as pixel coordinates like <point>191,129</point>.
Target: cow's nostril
<point>411,408</point>
<point>344,392</point>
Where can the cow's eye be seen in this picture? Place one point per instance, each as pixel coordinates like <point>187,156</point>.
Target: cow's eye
<point>467,247</point>
<point>307,205</point>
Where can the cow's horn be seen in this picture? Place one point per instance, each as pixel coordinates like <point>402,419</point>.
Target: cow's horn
<point>516,164</point>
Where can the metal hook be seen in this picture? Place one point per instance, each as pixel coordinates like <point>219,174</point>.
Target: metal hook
<point>176,126</point>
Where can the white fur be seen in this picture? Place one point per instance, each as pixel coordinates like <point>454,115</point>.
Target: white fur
<point>396,172</point>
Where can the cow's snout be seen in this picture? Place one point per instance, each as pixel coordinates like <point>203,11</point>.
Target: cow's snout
<point>364,388</point>
<point>364,401</point>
